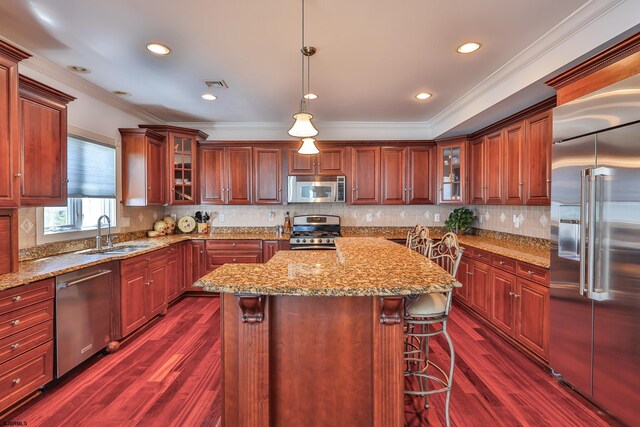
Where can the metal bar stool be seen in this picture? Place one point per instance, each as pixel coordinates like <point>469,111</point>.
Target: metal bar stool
<point>418,239</point>
<point>422,315</point>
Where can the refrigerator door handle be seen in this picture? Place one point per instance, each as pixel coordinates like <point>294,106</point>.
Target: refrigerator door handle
<point>583,228</point>
<point>597,176</point>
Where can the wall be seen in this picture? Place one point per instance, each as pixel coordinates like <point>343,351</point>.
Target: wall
<point>534,221</point>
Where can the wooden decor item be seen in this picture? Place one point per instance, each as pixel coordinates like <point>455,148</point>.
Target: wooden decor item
<point>391,310</point>
<point>252,307</point>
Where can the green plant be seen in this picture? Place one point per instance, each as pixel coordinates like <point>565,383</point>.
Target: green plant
<point>460,220</point>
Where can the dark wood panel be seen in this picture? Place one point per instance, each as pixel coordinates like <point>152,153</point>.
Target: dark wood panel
<point>421,175</point>
<point>156,292</point>
<point>532,306</point>
<point>538,159</point>
<point>198,263</point>
<point>269,249</point>
<point>464,277</point>
<point>156,174</point>
<point>494,158</point>
<point>477,157</point>
<point>331,161</point>
<point>365,175</point>
<point>212,173</point>
<point>8,240</point>
<point>481,287</point>
<point>300,164</point>
<point>267,176</point>
<point>393,175</point>
<point>239,175</point>
<point>503,291</point>
<point>133,300</point>
<point>513,165</point>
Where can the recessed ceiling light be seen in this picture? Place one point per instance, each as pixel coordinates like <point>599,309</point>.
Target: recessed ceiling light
<point>120,93</point>
<point>311,96</point>
<point>158,49</point>
<point>79,69</point>
<point>469,47</point>
<point>423,95</point>
<point>209,97</point>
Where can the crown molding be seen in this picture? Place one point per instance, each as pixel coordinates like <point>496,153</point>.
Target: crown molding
<point>590,26</point>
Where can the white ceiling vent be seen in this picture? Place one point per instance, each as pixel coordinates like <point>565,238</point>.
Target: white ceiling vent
<point>216,84</point>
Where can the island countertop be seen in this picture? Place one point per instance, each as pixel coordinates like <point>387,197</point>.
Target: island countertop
<point>361,266</point>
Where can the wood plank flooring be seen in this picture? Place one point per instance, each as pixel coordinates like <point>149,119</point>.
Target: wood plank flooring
<point>170,375</point>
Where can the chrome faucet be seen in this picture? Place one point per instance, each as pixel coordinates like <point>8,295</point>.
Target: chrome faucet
<point>99,236</point>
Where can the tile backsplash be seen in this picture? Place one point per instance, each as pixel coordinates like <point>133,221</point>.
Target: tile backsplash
<point>532,221</point>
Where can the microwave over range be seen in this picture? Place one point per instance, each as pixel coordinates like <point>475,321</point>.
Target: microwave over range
<point>316,189</point>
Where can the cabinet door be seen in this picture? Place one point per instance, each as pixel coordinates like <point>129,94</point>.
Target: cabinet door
<point>212,185</point>
<point>513,165</point>
<point>532,308</point>
<point>269,249</point>
<point>478,181</point>
<point>301,164</point>
<point>155,173</point>
<point>464,277</point>
<point>184,266</point>
<point>452,167</point>
<point>420,176</point>
<point>238,172</point>
<point>538,142</point>
<point>157,287</point>
<point>503,290</point>
<point>9,134</point>
<point>267,176</point>
<point>197,263</point>
<point>132,299</point>
<point>493,162</point>
<point>365,175</point>
<point>182,169</point>
<point>331,161</point>
<point>480,288</point>
<point>393,167</point>
<point>44,152</point>
<point>173,277</point>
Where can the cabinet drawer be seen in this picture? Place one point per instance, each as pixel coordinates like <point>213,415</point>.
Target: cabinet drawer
<point>26,340</point>
<point>134,263</point>
<point>532,272</point>
<point>480,255</point>
<point>24,318</point>
<point>468,251</point>
<point>24,374</point>
<point>503,263</point>
<point>235,245</point>
<point>22,296</point>
<point>217,259</point>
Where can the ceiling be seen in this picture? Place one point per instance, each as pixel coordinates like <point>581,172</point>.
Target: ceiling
<point>373,55</point>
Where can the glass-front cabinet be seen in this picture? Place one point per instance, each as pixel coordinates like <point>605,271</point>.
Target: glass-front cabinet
<point>183,161</point>
<point>451,171</point>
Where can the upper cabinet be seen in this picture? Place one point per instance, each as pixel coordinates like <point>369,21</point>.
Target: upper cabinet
<point>181,163</point>
<point>513,164</point>
<point>267,176</point>
<point>451,171</point>
<point>226,175</point>
<point>44,144</point>
<point>365,175</point>
<point>407,175</point>
<point>486,158</point>
<point>330,161</point>
<point>143,167</point>
<point>478,184</point>
<point>538,141</point>
<point>10,125</point>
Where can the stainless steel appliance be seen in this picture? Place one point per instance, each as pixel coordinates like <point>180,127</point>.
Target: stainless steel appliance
<point>316,189</point>
<point>595,247</point>
<point>314,232</point>
<point>83,314</point>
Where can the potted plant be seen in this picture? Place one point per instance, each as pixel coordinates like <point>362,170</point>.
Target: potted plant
<point>460,220</point>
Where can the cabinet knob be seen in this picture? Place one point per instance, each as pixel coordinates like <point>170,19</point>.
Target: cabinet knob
<point>521,183</point>
<point>15,322</point>
<point>18,175</point>
<point>233,244</point>
<point>201,252</point>
<point>548,180</point>
<point>234,260</point>
<point>16,381</point>
<point>511,293</point>
<point>148,188</point>
<point>146,283</point>
<point>501,262</point>
<point>469,273</point>
<point>529,272</point>
<point>173,189</point>
<point>15,346</point>
<point>150,281</point>
<point>516,296</point>
<point>17,298</point>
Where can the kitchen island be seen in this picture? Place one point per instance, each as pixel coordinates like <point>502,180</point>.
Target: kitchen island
<point>316,337</point>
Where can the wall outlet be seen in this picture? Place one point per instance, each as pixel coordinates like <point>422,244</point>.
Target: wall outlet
<point>221,217</point>
<point>271,216</point>
<point>516,221</point>
<point>369,217</point>
<point>436,217</point>
<point>125,221</point>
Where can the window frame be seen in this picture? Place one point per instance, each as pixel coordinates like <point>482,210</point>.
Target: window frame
<point>61,236</point>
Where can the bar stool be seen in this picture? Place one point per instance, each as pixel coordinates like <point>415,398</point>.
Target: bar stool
<point>422,315</point>
<point>418,239</point>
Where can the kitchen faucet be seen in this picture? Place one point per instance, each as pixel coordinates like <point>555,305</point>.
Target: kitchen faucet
<point>99,236</point>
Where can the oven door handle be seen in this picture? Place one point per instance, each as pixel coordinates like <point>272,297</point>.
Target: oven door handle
<point>313,247</point>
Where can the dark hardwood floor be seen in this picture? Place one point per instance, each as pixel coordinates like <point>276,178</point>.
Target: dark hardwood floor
<point>170,375</point>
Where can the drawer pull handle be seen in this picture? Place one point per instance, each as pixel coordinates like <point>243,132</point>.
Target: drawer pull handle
<point>516,295</point>
<point>16,381</point>
<point>17,298</point>
<point>15,346</point>
<point>469,273</point>
<point>150,281</point>
<point>233,244</point>
<point>511,293</point>
<point>529,272</point>
<point>15,322</point>
<point>234,260</point>
<point>501,262</point>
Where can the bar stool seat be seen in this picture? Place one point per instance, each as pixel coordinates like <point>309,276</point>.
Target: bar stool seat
<point>428,305</point>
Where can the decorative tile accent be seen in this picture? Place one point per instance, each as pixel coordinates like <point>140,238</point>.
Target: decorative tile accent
<point>155,215</point>
<point>403,214</point>
<point>355,214</point>
<point>27,225</point>
<point>427,215</point>
<point>522,218</point>
<point>141,216</point>
<point>379,214</point>
<point>544,220</point>
<point>487,216</point>
<point>503,217</point>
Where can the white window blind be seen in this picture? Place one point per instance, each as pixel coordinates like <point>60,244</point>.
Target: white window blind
<point>91,169</point>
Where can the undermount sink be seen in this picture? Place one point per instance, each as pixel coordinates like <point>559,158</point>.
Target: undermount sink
<point>115,250</point>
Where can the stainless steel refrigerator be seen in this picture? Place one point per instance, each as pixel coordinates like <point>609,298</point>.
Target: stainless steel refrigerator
<point>595,247</point>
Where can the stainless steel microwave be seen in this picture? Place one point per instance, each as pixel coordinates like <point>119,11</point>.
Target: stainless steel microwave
<point>316,189</point>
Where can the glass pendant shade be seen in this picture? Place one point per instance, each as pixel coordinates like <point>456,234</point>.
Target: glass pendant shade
<point>308,146</point>
<point>302,127</point>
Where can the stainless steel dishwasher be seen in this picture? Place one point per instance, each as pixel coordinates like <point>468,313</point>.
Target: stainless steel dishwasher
<point>83,314</point>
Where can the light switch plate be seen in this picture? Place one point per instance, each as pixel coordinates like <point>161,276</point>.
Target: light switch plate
<point>125,221</point>
<point>436,217</point>
<point>220,217</point>
<point>369,217</point>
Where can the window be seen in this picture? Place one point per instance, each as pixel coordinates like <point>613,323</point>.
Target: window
<point>91,170</point>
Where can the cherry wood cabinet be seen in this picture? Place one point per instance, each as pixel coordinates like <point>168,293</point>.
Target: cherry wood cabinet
<point>180,157</point>
<point>480,289</point>
<point>494,155</point>
<point>393,172</point>
<point>478,183</point>
<point>175,271</point>
<point>532,316</point>
<point>464,277</point>
<point>8,240</point>
<point>407,175</point>
<point>196,258</point>
<point>365,175</point>
<point>270,247</point>
<point>452,171</point>
<point>421,175</point>
<point>44,144</point>
<point>143,167</point>
<point>503,290</point>
<point>267,176</point>
<point>226,175</point>
<point>538,130</point>
<point>329,161</point>
<point>10,125</point>
<point>513,164</point>
<point>220,252</point>
<point>133,294</point>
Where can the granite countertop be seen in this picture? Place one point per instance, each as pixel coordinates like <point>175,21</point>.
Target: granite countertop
<point>533,254</point>
<point>359,267</point>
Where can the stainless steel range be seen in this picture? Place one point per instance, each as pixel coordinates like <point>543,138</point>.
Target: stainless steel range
<point>315,232</point>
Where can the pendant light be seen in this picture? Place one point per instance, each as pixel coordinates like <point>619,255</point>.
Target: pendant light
<point>302,126</point>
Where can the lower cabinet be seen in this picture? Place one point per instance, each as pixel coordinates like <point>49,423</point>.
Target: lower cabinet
<point>220,252</point>
<point>176,279</point>
<point>195,256</point>
<point>143,289</point>
<point>496,288</point>
<point>270,247</point>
